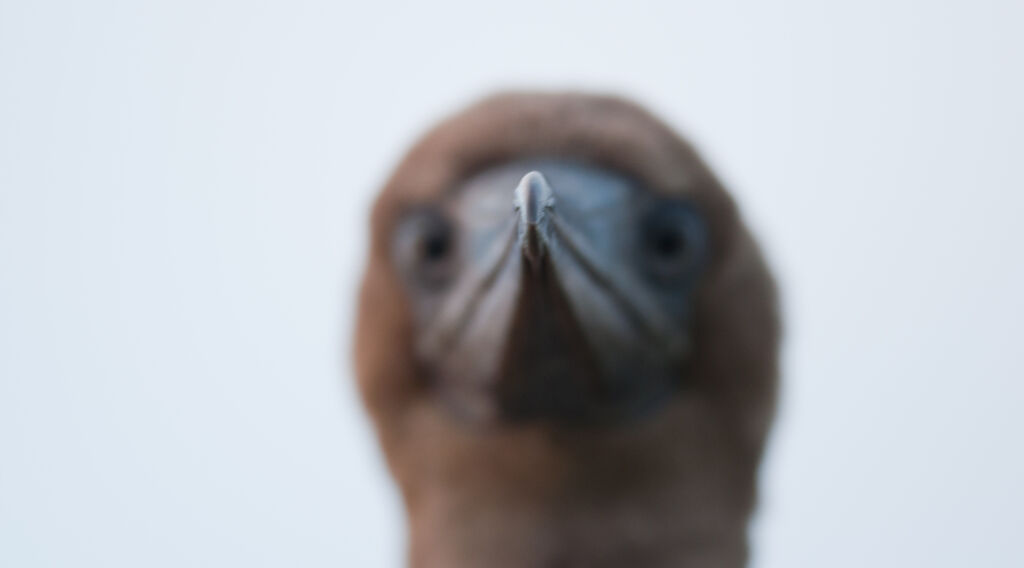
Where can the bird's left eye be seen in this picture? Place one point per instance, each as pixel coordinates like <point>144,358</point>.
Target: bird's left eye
<point>425,244</point>
<point>672,239</point>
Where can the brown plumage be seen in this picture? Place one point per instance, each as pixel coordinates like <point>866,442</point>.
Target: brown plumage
<point>673,485</point>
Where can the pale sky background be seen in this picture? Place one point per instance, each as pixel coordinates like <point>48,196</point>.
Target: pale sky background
<point>183,199</point>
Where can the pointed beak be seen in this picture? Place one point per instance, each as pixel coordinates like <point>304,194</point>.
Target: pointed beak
<point>534,201</point>
<point>546,319</point>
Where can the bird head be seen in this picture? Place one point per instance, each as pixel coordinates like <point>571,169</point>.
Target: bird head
<point>558,284</point>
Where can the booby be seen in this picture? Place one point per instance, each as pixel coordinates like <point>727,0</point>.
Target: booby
<point>567,340</point>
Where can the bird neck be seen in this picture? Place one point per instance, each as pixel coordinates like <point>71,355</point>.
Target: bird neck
<point>509,534</point>
<point>671,492</point>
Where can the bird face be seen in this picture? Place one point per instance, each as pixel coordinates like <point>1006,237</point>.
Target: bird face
<point>551,290</point>
<point>567,340</point>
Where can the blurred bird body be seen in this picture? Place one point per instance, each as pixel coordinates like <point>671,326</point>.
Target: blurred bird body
<point>567,340</point>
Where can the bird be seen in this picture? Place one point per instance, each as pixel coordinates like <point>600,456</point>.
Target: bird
<point>567,340</point>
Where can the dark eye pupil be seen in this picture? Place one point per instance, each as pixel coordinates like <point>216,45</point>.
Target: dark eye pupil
<point>435,246</point>
<point>667,242</point>
<point>672,241</point>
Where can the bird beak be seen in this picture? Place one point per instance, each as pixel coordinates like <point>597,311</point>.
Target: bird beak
<point>547,365</point>
<point>534,201</point>
<point>543,321</point>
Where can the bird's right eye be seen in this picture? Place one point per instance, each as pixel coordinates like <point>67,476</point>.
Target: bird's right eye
<point>425,248</point>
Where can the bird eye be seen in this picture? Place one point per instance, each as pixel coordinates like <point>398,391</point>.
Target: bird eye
<point>672,239</point>
<point>666,242</point>
<point>435,243</point>
<point>425,244</point>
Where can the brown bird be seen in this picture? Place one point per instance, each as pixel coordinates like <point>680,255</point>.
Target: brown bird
<point>568,341</point>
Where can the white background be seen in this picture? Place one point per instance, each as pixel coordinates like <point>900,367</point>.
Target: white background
<point>183,198</point>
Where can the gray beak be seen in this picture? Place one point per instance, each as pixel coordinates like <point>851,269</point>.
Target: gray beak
<point>546,318</point>
<point>534,201</point>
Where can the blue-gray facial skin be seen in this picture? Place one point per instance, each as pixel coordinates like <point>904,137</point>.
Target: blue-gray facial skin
<point>552,290</point>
